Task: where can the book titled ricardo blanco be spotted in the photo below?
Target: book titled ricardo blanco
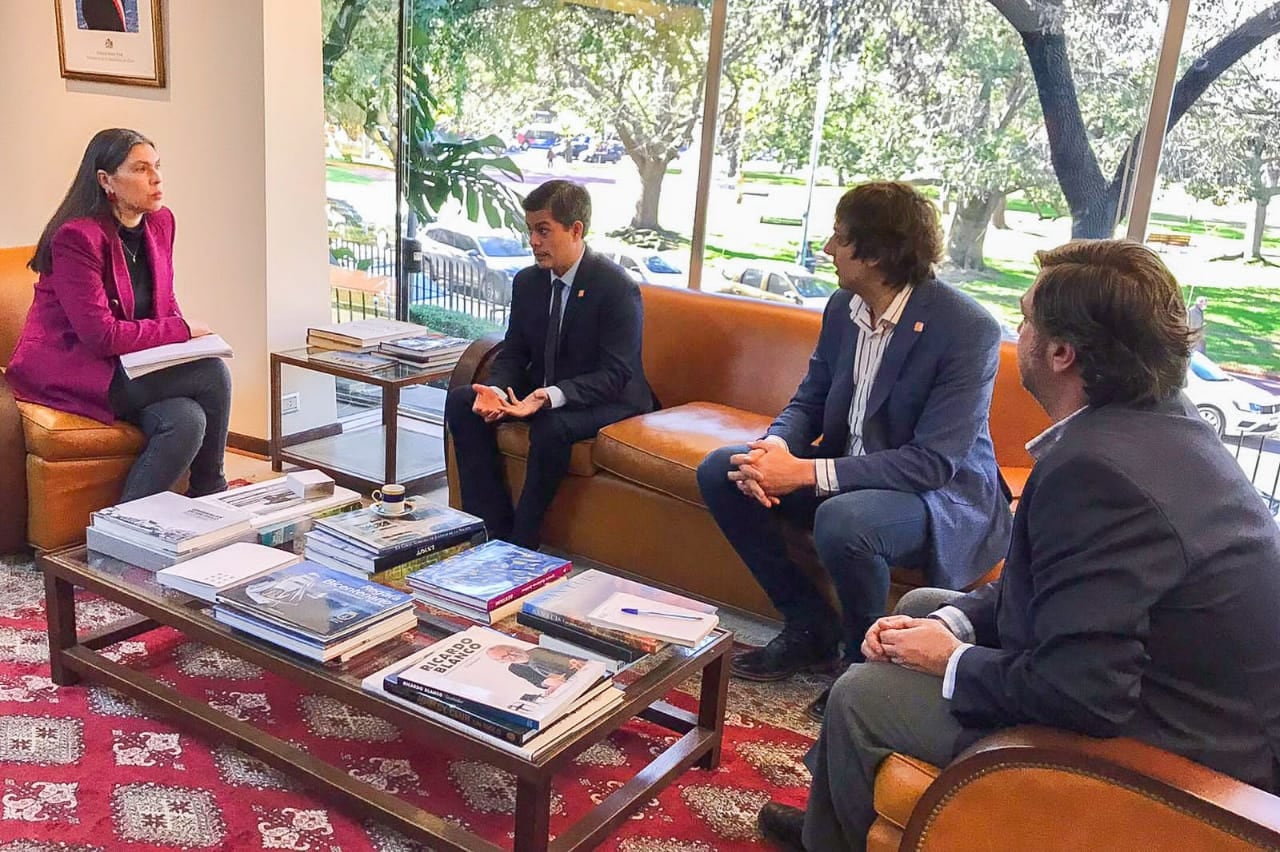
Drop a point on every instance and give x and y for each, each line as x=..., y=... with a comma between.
x=491, y=669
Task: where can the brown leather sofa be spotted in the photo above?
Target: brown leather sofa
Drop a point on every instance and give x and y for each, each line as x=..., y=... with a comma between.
x=56, y=467
x=721, y=367
x=1051, y=791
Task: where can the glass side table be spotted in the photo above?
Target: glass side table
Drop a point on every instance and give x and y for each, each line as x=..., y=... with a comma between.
x=368, y=455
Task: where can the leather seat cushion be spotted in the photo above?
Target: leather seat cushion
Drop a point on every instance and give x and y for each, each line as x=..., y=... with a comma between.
x=58, y=436
x=900, y=782
x=1017, y=479
x=662, y=449
x=513, y=440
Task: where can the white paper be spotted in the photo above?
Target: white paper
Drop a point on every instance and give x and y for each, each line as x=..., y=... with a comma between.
x=683, y=631
x=171, y=354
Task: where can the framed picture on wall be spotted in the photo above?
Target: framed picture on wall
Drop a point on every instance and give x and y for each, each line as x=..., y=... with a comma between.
x=111, y=41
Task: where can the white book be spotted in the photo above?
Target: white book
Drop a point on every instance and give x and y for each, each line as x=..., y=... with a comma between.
x=172, y=523
x=671, y=623
x=575, y=720
x=364, y=332
x=611, y=665
x=311, y=483
x=277, y=500
x=205, y=576
x=145, y=361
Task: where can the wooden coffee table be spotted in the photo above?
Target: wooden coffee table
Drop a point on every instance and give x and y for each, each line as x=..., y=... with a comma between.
x=73, y=658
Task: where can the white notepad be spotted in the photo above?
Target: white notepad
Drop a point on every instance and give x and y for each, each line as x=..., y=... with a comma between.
x=204, y=576
x=690, y=628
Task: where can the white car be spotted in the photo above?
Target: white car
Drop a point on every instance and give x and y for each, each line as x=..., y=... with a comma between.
x=498, y=254
x=646, y=266
x=1229, y=405
x=777, y=282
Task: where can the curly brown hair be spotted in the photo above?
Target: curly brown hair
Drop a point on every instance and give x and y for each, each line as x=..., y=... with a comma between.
x=1120, y=308
x=894, y=225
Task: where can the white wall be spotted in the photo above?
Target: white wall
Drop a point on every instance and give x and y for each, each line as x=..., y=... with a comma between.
x=240, y=131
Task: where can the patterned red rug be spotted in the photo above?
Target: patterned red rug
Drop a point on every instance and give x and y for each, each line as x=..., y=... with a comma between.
x=87, y=769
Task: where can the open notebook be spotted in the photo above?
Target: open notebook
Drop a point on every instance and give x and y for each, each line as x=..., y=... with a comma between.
x=171, y=354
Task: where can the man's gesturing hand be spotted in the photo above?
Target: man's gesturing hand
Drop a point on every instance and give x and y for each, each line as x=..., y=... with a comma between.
x=488, y=404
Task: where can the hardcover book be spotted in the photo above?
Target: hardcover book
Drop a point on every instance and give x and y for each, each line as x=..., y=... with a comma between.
x=277, y=500
x=364, y=332
x=383, y=536
x=570, y=602
x=427, y=347
x=204, y=576
x=522, y=682
x=173, y=523
x=318, y=603
x=364, y=362
x=490, y=575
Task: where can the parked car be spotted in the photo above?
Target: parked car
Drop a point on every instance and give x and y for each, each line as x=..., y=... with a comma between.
x=777, y=282
x=498, y=254
x=610, y=151
x=1229, y=405
x=540, y=137
x=646, y=266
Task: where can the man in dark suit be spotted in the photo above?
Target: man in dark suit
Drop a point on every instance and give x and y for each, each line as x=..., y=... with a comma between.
x=569, y=365
x=899, y=389
x=1129, y=605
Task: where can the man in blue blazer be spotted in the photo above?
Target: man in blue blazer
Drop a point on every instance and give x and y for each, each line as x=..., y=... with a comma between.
x=569, y=365
x=1129, y=606
x=899, y=389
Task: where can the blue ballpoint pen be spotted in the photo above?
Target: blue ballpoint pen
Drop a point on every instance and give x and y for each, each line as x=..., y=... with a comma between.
x=630, y=610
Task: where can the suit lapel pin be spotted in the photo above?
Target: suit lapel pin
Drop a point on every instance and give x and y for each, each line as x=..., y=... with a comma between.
x=919, y=327
x=581, y=293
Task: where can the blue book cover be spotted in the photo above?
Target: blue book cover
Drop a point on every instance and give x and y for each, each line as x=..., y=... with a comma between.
x=491, y=574
x=315, y=600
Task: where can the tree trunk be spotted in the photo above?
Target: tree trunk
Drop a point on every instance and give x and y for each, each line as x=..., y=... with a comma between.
x=338, y=39
x=997, y=216
x=1256, y=229
x=652, y=172
x=968, y=230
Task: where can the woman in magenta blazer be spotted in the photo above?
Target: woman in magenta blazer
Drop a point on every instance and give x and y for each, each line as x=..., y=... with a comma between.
x=106, y=288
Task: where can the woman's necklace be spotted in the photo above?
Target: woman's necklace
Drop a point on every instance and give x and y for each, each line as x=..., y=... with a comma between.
x=133, y=255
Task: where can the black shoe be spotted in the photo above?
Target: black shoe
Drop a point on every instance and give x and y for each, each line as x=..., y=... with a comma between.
x=782, y=825
x=795, y=649
x=818, y=708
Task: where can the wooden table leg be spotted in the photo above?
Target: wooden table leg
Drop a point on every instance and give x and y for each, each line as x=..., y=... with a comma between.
x=60, y=610
x=712, y=701
x=533, y=815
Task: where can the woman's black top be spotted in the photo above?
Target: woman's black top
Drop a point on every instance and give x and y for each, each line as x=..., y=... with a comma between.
x=135, y=257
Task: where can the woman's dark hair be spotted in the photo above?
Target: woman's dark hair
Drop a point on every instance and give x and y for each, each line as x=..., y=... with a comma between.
x=893, y=224
x=568, y=202
x=1120, y=308
x=106, y=151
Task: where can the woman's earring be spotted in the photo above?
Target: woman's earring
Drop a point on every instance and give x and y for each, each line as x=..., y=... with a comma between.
x=111, y=196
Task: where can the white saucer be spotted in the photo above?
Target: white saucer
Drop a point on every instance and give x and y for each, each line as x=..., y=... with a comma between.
x=408, y=508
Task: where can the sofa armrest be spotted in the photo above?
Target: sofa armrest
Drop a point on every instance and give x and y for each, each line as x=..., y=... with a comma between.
x=13, y=473
x=473, y=366
x=1022, y=782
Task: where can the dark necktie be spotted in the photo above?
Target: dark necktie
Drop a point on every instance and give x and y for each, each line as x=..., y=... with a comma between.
x=552, y=344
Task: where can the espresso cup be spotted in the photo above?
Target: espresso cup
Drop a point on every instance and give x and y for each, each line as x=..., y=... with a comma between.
x=390, y=499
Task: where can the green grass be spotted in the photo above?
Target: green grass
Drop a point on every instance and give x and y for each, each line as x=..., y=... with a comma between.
x=773, y=178
x=345, y=174
x=1209, y=227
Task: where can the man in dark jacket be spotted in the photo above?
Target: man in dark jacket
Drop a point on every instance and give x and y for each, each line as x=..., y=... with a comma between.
x=1129, y=606
x=569, y=365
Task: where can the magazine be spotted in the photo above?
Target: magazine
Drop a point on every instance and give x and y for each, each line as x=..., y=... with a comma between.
x=364, y=362
x=517, y=678
x=317, y=603
x=172, y=523
x=277, y=500
x=424, y=348
x=636, y=614
x=490, y=575
x=382, y=535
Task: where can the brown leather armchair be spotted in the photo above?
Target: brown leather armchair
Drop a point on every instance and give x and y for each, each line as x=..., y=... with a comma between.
x=56, y=467
x=1053, y=791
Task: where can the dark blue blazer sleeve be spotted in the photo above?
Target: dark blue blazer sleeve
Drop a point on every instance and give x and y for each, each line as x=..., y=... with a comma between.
x=1103, y=555
x=800, y=423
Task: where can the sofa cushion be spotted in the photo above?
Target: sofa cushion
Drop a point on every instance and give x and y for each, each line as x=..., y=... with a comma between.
x=662, y=449
x=513, y=440
x=900, y=782
x=58, y=436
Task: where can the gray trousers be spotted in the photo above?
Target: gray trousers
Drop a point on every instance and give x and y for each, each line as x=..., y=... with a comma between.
x=185, y=412
x=874, y=710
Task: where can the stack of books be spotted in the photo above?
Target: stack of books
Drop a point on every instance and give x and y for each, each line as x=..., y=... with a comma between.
x=367, y=544
x=426, y=350
x=487, y=583
x=586, y=611
x=164, y=529
x=281, y=509
x=315, y=611
x=205, y=576
x=362, y=335
x=500, y=688
x=361, y=362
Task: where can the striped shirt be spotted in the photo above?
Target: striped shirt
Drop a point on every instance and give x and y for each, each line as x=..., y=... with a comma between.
x=872, y=343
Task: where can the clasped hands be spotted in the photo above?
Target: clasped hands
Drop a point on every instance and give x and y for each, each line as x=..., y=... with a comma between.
x=768, y=471
x=493, y=407
x=921, y=644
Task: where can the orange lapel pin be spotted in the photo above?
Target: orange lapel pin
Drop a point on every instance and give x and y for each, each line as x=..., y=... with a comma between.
x=581, y=293
x=919, y=327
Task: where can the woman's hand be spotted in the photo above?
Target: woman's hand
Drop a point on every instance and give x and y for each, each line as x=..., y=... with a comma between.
x=198, y=328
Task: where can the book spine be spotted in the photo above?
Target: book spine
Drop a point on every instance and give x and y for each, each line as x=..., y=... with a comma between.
x=400, y=555
x=471, y=720
x=504, y=598
x=397, y=575
x=645, y=644
x=477, y=708
x=570, y=633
